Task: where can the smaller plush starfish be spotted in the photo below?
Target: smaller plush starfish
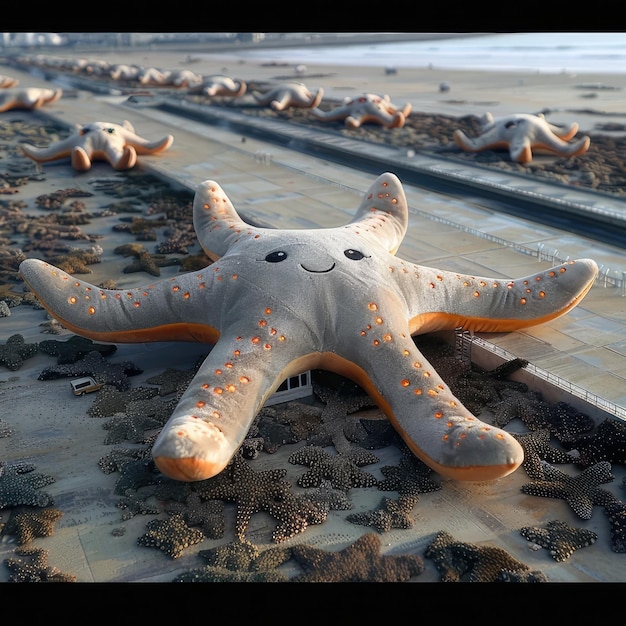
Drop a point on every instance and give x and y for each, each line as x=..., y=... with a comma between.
x=522, y=134
x=580, y=492
x=118, y=144
x=290, y=94
x=537, y=448
x=220, y=85
x=181, y=78
x=368, y=107
x=31, y=98
x=359, y=562
x=561, y=539
x=122, y=71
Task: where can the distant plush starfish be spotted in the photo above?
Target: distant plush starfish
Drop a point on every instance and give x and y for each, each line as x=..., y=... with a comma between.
x=522, y=134
x=581, y=492
x=278, y=302
x=367, y=108
x=118, y=144
x=220, y=85
x=31, y=98
x=561, y=539
x=290, y=94
x=359, y=562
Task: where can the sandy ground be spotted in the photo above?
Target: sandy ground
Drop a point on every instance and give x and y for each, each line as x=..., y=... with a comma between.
x=52, y=430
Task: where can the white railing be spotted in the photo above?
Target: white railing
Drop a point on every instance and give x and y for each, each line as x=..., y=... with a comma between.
x=553, y=379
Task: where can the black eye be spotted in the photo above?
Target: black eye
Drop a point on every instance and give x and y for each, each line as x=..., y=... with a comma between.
x=276, y=257
x=355, y=255
x=110, y=130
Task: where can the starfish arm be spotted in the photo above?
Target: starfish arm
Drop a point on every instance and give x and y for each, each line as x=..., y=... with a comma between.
x=80, y=159
x=315, y=100
x=338, y=113
x=143, y=146
x=121, y=157
x=564, y=132
x=281, y=101
x=383, y=214
x=243, y=86
x=520, y=148
x=168, y=310
x=57, y=150
x=441, y=300
x=553, y=144
x=486, y=141
x=216, y=220
x=268, y=96
x=216, y=411
x=432, y=421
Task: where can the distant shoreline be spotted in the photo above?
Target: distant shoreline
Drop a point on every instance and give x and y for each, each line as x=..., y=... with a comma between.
x=269, y=42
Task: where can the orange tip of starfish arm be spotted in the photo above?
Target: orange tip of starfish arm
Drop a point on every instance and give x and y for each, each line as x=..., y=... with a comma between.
x=190, y=469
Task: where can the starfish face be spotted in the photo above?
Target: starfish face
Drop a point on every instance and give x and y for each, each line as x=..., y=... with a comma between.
x=118, y=144
x=287, y=95
x=523, y=134
x=368, y=107
x=278, y=302
x=31, y=98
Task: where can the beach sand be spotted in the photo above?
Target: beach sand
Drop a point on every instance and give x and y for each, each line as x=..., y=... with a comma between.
x=52, y=430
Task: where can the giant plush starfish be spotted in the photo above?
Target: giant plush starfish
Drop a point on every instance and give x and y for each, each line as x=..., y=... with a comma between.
x=522, y=134
x=279, y=302
x=287, y=95
x=368, y=107
x=31, y=98
x=104, y=141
